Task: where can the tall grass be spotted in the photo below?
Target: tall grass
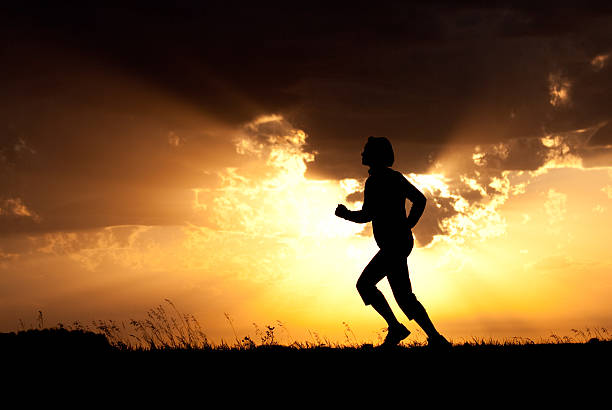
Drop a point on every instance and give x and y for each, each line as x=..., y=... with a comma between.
x=164, y=327
x=167, y=328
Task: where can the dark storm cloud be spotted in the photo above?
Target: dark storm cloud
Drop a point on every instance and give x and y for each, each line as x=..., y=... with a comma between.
x=478, y=179
x=85, y=145
x=424, y=72
x=485, y=79
x=88, y=89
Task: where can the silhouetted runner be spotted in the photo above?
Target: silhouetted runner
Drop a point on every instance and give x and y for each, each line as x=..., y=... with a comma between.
x=384, y=202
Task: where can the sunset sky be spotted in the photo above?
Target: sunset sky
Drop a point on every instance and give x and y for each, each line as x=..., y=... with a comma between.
x=197, y=153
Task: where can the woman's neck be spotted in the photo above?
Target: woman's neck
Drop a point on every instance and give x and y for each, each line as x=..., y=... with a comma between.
x=376, y=168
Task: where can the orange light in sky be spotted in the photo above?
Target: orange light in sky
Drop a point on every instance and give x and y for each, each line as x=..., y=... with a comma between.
x=520, y=260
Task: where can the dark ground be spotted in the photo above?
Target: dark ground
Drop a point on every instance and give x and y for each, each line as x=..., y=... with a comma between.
x=480, y=375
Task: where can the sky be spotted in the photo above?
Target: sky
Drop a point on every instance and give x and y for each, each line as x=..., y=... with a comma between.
x=196, y=152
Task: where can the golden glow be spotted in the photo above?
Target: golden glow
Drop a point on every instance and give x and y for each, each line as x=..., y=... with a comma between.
x=262, y=244
x=432, y=183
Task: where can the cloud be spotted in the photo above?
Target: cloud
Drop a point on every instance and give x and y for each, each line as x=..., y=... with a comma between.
x=126, y=246
x=175, y=140
x=126, y=154
x=13, y=149
x=559, y=89
x=555, y=206
x=537, y=154
x=265, y=203
x=269, y=195
x=383, y=70
x=104, y=144
x=6, y=258
x=460, y=209
x=164, y=144
x=600, y=61
x=14, y=207
x=467, y=186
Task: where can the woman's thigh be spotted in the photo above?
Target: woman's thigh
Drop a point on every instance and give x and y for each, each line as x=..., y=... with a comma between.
x=375, y=270
x=397, y=274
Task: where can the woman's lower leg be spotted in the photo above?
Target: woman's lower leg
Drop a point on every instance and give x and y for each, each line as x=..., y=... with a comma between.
x=422, y=318
x=380, y=304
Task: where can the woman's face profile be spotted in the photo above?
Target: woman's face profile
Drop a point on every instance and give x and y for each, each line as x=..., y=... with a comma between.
x=365, y=155
x=377, y=153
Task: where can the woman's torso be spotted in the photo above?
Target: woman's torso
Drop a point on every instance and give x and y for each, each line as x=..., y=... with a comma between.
x=385, y=200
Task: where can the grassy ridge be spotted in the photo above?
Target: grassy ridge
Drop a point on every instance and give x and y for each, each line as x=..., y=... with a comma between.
x=513, y=371
x=167, y=341
x=167, y=356
x=91, y=354
x=166, y=328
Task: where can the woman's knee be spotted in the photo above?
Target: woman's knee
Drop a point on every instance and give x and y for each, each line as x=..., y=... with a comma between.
x=410, y=305
x=364, y=285
x=367, y=290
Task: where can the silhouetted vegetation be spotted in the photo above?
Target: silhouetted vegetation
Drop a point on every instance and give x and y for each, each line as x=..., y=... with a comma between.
x=167, y=347
x=55, y=340
x=165, y=328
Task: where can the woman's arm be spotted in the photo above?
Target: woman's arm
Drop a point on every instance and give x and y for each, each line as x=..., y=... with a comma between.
x=418, y=204
x=360, y=216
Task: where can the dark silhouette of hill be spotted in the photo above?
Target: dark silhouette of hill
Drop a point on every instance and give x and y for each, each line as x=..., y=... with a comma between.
x=82, y=343
x=54, y=340
x=490, y=374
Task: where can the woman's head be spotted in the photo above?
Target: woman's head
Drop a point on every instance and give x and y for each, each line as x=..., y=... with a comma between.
x=377, y=152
